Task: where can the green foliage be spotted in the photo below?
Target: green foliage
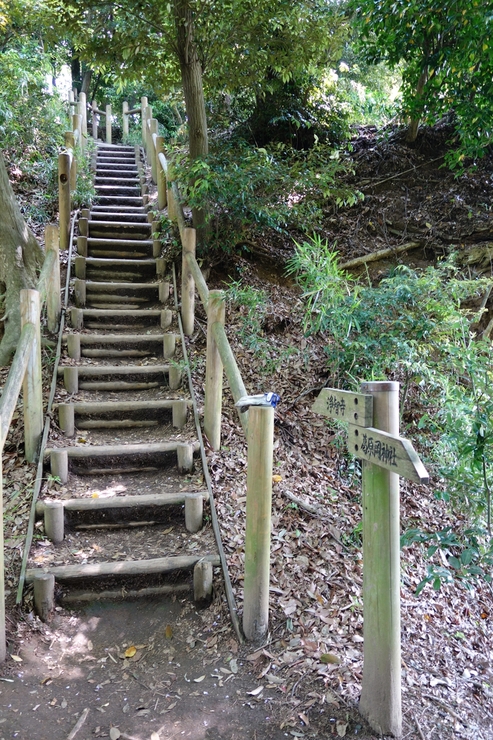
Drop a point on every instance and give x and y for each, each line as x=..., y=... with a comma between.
x=85, y=192
x=467, y=555
x=252, y=306
x=412, y=326
x=448, y=60
x=31, y=120
x=257, y=188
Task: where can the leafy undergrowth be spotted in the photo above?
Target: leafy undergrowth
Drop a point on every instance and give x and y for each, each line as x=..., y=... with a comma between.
x=313, y=654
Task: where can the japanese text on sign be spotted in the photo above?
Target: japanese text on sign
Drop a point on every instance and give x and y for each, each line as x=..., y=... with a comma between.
x=381, y=451
x=336, y=405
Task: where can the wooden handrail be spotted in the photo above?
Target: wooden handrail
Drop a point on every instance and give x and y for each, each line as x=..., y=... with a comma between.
x=15, y=378
x=197, y=275
x=231, y=369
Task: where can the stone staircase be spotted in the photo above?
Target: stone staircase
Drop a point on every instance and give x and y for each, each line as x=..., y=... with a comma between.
x=123, y=508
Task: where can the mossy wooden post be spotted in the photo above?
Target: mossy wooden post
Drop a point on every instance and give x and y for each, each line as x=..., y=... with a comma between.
x=148, y=143
x=32, y=388
x=258, y=522
x=70, y=145
x=125, y=118
x=187, y=282
x=161, y=174
x=213, y=371
x=53, y=296
x=3, y=645
x=83, y=113
x=64, y=199
x=94, y=107
x=380, y=700
x=143, y=107
x=108, y=124
x=153, y=129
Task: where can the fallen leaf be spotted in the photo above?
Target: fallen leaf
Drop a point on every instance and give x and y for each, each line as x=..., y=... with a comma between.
x=130, y=651
x=341, y=728
x=168, y=632
x=276, y=478
x=329, y=658
x=198, y=680
x=256, y=691
x=115, y=733
x=16, y=658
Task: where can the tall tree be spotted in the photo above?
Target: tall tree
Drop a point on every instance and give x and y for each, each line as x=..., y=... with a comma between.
x=448, y=59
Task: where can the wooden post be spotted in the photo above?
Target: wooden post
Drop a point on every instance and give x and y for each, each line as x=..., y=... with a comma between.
x=174, y=377
x=71, y=374
x=44, y=595
x=202, y=581
x=66, y=419
x=108, y=124
x=148, y=141
x=32, y=387
x=94, y=106
x=83, y=113
x=59, y=464
x=53, y=296
x=380, y=700
x=54, y=515
x=213, y=372
x=70, y=145
x=187, y=282
x=258, y=522
x=161, y=175
x=125, y=119
x=169, y=345
x=73, y=346
x=184, y=458
x=153, y=129
x=3, y=644
x=64, y=207
x=194, y=511
x=143, y=109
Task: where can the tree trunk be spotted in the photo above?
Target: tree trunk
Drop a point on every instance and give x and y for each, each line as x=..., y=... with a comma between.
x=86, y=81
x=20, y=256
x=193, y=92
x=412, y=131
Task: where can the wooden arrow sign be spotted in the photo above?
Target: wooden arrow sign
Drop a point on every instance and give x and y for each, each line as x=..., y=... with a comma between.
x=386, y=451
x=355, y=408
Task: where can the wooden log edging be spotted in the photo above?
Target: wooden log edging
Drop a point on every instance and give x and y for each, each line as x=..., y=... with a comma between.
x=230, y=597
x=123, y=568
x=40, y=469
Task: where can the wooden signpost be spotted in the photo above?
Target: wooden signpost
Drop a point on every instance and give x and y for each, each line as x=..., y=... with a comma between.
x=373, y=417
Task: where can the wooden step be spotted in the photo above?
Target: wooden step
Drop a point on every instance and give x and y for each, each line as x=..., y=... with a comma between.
x=80, y=317
x=119, y=200
x=102, y=346
x=122, y=377
x=122, y=414
x=123, y=568
x=130, y=230
x=126, y=166
x=118, y=190
x=125, y=270
x=110, y=459
x=92, y=292
x=118, y=181
x=119, y=216
x=124, y=502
